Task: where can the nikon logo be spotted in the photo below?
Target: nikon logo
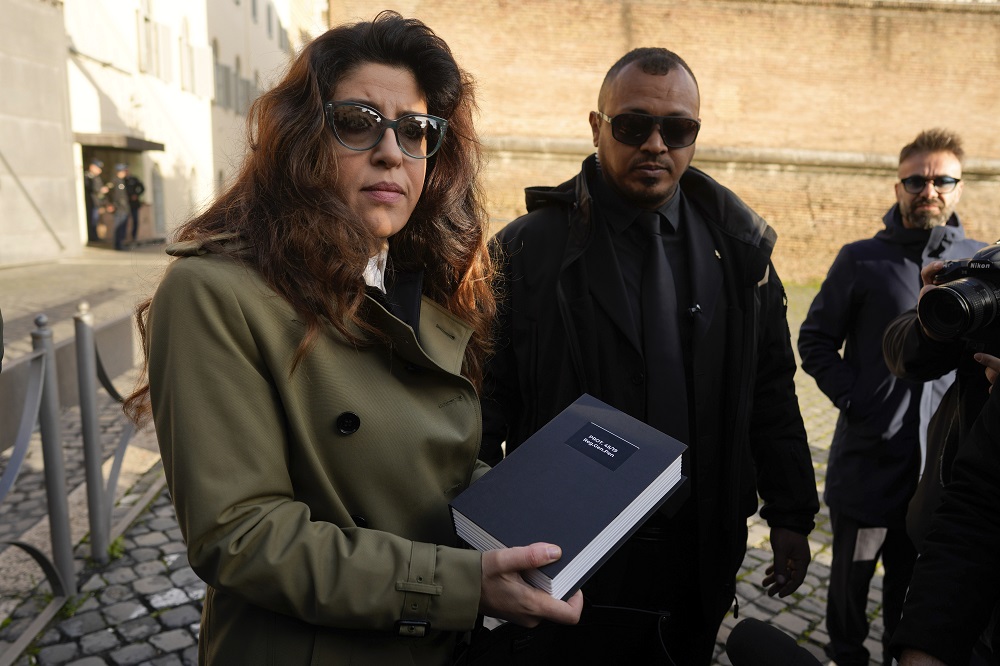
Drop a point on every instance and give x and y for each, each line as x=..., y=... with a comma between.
x=980, y=264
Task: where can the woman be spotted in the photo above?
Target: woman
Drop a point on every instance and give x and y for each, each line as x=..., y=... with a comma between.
x=313, y=429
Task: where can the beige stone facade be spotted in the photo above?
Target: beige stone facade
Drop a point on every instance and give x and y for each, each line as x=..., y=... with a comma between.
x=805, y=103
x=160, y=86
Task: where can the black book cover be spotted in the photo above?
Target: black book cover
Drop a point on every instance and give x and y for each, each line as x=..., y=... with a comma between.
x=586, y=481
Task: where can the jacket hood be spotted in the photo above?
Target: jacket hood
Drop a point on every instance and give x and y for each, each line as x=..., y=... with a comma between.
x=941, y=242
x=541, y=196
x=893, y=221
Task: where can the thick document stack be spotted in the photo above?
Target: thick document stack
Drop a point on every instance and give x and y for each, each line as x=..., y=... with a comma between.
x=586, y=481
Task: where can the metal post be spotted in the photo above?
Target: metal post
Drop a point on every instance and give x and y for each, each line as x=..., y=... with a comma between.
x=55, y=474
x=86, y=371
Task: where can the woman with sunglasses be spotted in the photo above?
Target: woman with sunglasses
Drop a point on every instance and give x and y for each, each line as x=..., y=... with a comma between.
x=313, y=362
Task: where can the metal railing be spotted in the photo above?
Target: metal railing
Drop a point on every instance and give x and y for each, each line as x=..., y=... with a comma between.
x=30, y=390
x=100, y=493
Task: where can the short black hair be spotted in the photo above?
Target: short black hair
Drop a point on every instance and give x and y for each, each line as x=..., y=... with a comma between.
x=652, y=60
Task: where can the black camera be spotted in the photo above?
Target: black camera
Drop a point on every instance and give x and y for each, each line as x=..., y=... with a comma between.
x=966, y=303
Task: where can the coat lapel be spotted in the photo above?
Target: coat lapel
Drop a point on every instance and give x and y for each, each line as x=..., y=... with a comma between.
x=607, y=285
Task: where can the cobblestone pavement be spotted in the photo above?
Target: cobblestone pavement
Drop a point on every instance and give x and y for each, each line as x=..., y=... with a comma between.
x=143, y=607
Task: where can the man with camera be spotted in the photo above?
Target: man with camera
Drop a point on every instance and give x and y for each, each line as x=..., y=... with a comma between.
x=875, y=455
x=956, y=582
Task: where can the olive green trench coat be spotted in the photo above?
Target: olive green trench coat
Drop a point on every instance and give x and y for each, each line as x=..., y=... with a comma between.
x=314, y=503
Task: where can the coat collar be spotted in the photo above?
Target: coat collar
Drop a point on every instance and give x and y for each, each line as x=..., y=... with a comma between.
x=939, y=241
x=725, y=213
x=592, y=241
x=443, y=336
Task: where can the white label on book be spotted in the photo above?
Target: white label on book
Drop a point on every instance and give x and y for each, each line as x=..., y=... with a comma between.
x=602, y=445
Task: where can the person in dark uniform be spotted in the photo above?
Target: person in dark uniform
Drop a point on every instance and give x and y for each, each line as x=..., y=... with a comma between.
x=648, y=285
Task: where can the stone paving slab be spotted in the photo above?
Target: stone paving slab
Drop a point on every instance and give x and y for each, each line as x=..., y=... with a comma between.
x=143, y=607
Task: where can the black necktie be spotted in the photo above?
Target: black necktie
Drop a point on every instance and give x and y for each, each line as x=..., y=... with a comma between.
x=666, y=383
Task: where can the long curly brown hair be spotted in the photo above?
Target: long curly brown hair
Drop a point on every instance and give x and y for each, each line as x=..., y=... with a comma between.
x=306, y=243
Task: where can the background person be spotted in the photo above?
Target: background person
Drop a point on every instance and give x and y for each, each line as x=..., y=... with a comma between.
x=94, y=191
x=134, y=189
x=875, y=455
x=314, y=427
x=118, y=196
x=956, y=584
x=911, y=353
x=648, y=285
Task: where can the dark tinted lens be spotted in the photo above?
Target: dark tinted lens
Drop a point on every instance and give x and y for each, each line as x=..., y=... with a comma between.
x=418, y=136
x=631, y=128
x=945, y=183
x=357, y=127
x=915, y=184
x=678, y=132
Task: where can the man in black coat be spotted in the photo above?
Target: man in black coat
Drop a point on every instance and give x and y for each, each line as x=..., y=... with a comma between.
x=125, y=192
x=912, y=351
x=955, y=589
x=648, y=285
x=875, y=456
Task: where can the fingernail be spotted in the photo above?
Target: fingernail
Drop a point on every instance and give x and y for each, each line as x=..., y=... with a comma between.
x=553, y=552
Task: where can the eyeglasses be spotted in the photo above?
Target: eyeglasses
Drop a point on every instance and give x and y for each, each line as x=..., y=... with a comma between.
x=633, y=129
x=360, y=127
x=943, y=184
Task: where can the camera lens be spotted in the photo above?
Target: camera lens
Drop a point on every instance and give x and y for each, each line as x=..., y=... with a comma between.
x=958, y=308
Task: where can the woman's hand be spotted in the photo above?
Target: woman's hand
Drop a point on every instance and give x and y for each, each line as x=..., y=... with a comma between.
x=507, y=596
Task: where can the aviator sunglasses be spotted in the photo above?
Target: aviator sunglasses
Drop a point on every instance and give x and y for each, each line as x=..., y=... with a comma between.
x=942, y=184
x=360, y=127
x=633, y=129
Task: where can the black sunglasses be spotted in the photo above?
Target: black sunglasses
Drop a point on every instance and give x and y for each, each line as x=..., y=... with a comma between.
x=360, y=127
x=633, y=129
x=916, y=184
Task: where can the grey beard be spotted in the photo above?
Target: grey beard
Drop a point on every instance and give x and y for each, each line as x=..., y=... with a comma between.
x=926, y=220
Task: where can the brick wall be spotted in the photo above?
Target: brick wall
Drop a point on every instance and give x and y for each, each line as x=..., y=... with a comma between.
x=805, y=104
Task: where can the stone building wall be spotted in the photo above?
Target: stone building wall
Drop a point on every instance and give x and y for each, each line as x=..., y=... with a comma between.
x=805, y=103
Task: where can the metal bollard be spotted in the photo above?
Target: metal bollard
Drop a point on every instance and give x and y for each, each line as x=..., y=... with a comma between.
x=55, y=473
x=86, y=371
